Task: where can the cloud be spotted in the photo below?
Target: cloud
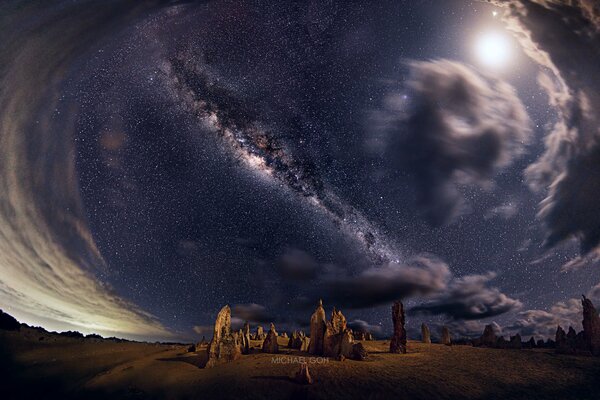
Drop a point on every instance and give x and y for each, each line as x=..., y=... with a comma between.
x=358, y=325
x=544, y=323
x=470, y=298
x=504, y=211
x=252, y=313
x=452, y=127
x=375, y=286
x=203, y=329
x=297, y=265
x=469, y=329
x=49, y=262
x=563, y=36
x=424, y=275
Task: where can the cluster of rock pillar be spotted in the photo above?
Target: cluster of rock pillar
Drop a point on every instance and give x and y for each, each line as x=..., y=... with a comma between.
x=333, y=338
x=585, y=342
x=328, y=338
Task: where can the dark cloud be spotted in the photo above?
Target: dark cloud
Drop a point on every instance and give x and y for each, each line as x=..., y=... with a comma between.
x=297, y=265
x=470, y=298
x=563, y=36
x=203, y=329
x=358, y=325
x=468, y=329
x=452, y=127
x=252, y=313
x=375, y=286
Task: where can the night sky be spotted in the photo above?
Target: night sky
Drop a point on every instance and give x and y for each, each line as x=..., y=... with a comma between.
x=162, y=160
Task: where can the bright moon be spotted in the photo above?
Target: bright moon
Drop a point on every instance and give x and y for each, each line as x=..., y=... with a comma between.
x=493, y=49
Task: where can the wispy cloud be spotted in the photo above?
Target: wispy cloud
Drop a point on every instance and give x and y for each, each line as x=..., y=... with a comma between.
x=49, y=264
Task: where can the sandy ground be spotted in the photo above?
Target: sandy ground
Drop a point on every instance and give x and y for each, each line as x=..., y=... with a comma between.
x=76, y=368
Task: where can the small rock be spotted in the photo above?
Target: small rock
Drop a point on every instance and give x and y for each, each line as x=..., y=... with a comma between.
x=303, y=375
x=359, y=352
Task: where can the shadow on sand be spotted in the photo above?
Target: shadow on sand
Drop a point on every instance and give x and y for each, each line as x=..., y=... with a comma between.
x=273, y=378
x=197, y=360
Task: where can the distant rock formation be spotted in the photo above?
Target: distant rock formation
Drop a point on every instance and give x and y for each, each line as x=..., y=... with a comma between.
x=398, y=342
x=8, y=322
x=571, y=336
x=270, y=344
x=562, y=345
x=245, y=338
x=362, y=335
x=515, y=342
x=203, y=342
x=72, y=334
x=488, y=339
x=446, y=336
x=295, y=340
x=425, y=334
x=305, y=344
x=580, y=343
x=531, y=343
x=223, y=347
x=591, y=327
x=303, y=375
x=260, y=334
x=317, y=330
x=501, y=343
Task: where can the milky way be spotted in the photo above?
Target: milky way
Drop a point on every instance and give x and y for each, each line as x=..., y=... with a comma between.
x=227, y=116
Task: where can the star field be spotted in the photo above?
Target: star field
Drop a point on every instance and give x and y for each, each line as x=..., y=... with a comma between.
x=273, y=154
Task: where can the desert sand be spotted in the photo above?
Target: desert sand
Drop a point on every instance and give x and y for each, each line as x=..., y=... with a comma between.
x=59, y=367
